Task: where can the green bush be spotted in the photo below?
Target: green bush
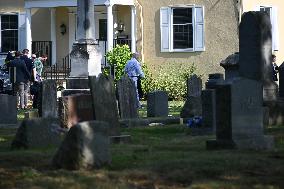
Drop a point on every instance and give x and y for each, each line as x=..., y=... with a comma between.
x=170, y=77
x=117, y=58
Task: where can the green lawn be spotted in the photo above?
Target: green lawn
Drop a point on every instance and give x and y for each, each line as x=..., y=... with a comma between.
x=159, y=157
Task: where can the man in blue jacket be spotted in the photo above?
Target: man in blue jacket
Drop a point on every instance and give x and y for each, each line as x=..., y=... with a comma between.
x=134, y=71
x=22, y=79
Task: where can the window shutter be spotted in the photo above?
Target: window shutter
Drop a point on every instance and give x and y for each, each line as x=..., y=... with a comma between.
x=275, y=32
x=22, y=31
x=165, y=28
x=199, y=28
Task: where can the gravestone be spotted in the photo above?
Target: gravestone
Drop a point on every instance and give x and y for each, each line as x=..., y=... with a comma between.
x=247, y=115
x=127, y=99
x=193, y=106
x=85, y=146
x=194, y=86
x=48, y=99
x=8, y=107
x=231, y=66
x=208, y=99
x=104, y=101
x=281, y=81
x=256, y=51
x=74, y=109
x=37, y=133
x=239, y=116
x=213, y=80
x=157, y=104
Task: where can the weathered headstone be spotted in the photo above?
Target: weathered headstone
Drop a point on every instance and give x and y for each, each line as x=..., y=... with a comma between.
x=8, y=107
x=239, y=116
x=48, y=99
x=247, y=115
x=231, y=66
x=194, y=86
x=192, y=106
x=208, y=97
x=255, y=46
x=74, y=109
x=38, y=132
x=157, y=104
x=85, y=146
x=256, y=51
x=127, y=99
x=104, y=101
x=213, y=80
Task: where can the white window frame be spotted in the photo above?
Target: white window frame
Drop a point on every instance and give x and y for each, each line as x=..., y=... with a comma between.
x=169, y=28
x=172, y=29
x=274, y=22
x=1, y=14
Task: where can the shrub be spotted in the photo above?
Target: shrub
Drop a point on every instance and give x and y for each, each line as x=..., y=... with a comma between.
x=170, y=77
x=117, y=58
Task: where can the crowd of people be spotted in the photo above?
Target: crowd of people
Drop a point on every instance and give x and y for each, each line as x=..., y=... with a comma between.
x=25, y=73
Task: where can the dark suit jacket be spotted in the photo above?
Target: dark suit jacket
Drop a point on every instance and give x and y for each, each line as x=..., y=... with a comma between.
x=22, y=73
x=29, y=63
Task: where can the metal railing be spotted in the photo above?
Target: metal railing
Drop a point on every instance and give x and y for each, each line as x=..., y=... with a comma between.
x=62, y=71
x=43, y=47
x=58, y=71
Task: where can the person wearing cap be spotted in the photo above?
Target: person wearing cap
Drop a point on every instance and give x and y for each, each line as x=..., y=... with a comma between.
x=134, y=71
x=22, y=79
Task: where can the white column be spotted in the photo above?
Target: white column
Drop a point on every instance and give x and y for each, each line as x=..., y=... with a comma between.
x=28, y=30
x=53, y=34
x=133, y=29
x=109, y=27
x=72, y=29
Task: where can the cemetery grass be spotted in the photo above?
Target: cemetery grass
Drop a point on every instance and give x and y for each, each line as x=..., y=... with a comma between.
x=166, y=157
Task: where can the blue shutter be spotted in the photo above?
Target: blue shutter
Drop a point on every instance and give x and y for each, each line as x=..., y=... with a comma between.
x=165, y=28
x=199, y=28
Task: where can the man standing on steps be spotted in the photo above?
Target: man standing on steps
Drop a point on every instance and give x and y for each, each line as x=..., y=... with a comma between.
x=134, y=71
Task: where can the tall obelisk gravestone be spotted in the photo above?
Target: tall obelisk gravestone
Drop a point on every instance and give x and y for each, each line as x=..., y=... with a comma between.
x=85, y=55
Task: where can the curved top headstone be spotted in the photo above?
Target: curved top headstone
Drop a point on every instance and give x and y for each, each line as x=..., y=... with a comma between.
x=255, y=46
x=232, y=61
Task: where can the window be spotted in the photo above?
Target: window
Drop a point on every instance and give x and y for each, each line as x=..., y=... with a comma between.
x=272, y=12
x=182, y=29
x=9, y=33
x=103, y=29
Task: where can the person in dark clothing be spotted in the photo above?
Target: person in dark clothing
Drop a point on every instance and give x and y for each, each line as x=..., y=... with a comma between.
x=29, y=63
x=275, y=68
x=8, y=59
x=22, y=79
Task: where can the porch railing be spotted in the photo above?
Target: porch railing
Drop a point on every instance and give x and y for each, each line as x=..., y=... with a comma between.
x=61, y=71
x=43, y=47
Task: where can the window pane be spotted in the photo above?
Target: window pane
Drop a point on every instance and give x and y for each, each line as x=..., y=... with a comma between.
x=9, y=32
x=9, y=22
x=182, y=15
x=183, y=36
x=103, y=29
